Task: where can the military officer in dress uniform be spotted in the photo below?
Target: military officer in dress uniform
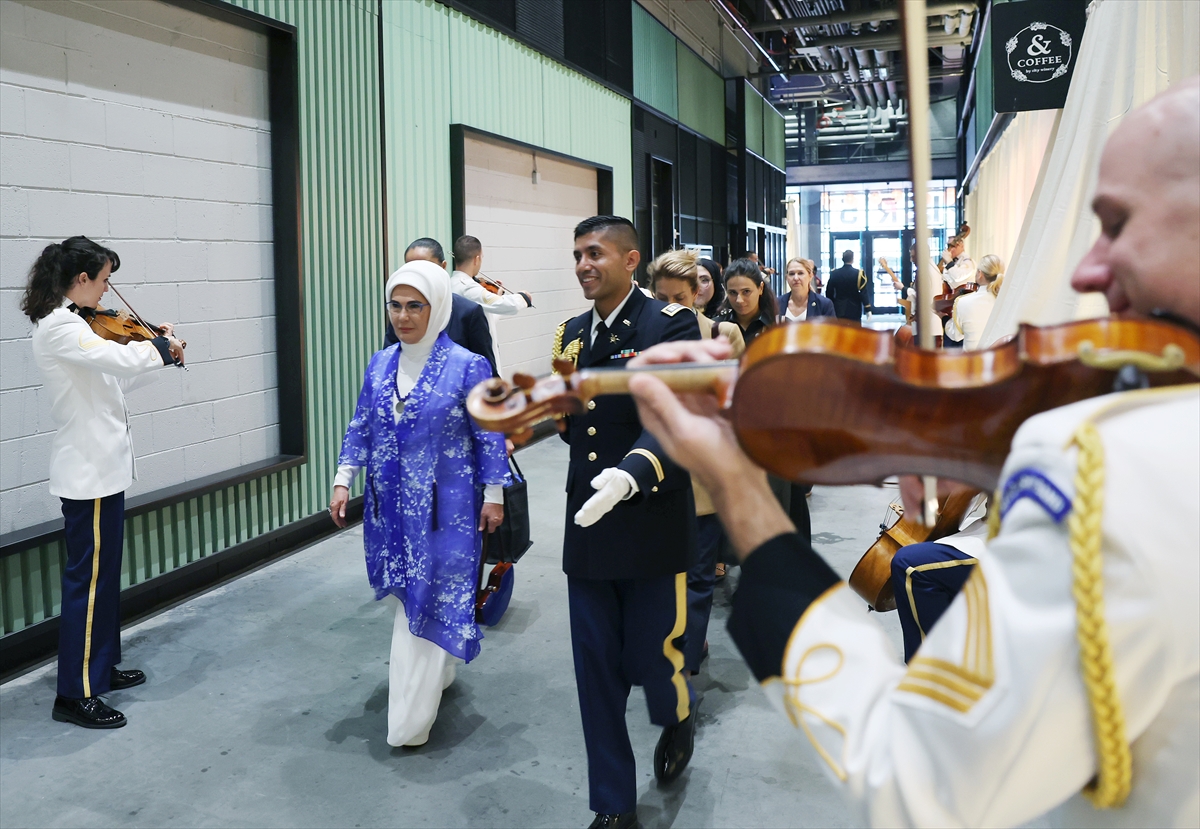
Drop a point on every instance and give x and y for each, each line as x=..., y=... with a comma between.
x=1068, y=668
x=91, y=464
x=630, y=532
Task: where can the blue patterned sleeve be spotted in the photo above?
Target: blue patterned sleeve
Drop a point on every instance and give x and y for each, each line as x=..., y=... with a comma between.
x=491, y=458
x=356, y=445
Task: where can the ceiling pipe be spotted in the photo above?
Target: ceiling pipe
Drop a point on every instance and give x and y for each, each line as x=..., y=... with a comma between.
x=869, y=16
x=964, y=23
x=889, y=41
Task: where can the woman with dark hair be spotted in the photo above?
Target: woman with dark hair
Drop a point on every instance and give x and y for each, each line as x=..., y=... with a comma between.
x=749, y=300
x=91, y=464
x=711, y=294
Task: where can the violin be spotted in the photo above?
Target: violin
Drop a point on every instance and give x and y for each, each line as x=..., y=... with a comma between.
x=121, y=326
x=492, y=286
x=495, y=286
x=829, y=402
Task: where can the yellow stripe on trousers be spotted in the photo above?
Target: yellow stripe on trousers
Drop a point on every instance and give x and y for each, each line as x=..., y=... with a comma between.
x=682, y=707
x=87, y=631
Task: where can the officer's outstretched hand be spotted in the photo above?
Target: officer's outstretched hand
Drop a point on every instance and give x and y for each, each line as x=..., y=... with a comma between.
x=612, y=487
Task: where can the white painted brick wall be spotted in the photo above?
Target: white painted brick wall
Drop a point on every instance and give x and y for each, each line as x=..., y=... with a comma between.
x=145, y=127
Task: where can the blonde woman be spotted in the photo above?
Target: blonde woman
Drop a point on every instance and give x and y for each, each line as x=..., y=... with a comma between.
x=971, y=311
x=673, y=278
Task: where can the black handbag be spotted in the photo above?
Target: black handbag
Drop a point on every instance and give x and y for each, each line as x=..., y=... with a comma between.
x=511, y=539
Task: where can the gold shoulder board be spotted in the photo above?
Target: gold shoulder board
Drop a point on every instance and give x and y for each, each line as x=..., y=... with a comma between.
x=673, y=309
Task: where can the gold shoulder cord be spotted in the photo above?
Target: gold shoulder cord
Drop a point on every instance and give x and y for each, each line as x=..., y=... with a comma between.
x=556, y=349
x=1114, y=773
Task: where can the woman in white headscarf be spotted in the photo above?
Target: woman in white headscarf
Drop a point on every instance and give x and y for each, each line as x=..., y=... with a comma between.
x=434, y=481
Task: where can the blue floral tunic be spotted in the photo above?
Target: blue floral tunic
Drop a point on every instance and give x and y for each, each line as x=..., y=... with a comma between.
x=424, y=490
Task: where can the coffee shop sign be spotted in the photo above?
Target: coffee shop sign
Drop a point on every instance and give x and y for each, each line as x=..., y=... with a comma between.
x=1036, y=55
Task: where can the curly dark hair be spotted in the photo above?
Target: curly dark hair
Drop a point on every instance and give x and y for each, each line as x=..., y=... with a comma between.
x=56, y=268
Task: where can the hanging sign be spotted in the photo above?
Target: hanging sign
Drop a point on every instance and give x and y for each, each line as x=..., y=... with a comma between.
x=1035, y=44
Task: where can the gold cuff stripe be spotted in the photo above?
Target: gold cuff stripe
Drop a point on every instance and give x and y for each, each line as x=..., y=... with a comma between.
x=91, y=607
x=673, y=654
x=655, y=462
x=935, y=694
x=958, y=686
x=933, y=565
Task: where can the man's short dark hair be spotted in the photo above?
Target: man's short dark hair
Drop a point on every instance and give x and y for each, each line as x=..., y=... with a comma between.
x=466, y=248
x=848, y=256
x=428, y=244
x=621, y=229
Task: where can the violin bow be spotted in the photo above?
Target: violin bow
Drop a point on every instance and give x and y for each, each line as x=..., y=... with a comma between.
x=142, y=322
x=914, y=18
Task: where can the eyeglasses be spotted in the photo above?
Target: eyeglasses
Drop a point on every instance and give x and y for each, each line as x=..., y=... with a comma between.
x=413, y=308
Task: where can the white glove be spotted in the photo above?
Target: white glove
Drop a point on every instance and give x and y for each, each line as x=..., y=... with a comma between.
x=613, y=486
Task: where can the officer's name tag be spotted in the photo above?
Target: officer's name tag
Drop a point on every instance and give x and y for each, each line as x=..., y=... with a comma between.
x=1032, y=484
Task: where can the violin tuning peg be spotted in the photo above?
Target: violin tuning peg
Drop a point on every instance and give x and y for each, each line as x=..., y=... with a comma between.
x=524, y=381
x=564, y=367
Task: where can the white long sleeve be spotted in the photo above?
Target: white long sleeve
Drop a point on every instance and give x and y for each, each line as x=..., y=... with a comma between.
x=501, y=305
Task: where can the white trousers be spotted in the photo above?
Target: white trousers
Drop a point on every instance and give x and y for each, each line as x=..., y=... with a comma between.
x=418, y=673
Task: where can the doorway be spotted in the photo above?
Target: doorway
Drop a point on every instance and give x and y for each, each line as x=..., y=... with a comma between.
x=662, y=206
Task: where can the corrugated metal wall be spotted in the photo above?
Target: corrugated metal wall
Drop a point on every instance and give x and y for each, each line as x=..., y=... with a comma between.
x=442, y=68
x=701, y=95
x=754, y=119
x=343, y=267
x=773, y=146
x=655, y=79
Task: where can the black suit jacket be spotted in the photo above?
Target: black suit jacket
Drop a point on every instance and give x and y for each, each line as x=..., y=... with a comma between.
x=848, y=298
x=654, y=532
x=468, y=327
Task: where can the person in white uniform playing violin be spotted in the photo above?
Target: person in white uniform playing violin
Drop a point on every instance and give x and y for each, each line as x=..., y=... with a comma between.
x=91, y=464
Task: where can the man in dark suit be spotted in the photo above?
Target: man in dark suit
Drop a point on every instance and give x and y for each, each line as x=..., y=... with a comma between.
x=849, y=290
x=468, y=324
x=630, y=532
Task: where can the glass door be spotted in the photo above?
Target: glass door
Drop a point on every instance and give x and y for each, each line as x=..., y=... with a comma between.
x=883, y=244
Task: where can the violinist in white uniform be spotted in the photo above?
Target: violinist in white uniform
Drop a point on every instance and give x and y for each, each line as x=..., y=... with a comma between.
x=468, y=262
x=91, y=464
x=971, y=311
x=1065, y=677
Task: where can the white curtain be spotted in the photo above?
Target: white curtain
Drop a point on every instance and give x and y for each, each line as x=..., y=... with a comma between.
x=997, y=204
x=793, y=228
x=1131, y=51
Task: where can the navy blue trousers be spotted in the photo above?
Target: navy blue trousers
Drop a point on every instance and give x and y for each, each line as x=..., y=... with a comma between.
x=89, y=631
x=926, y=578
x=623, y=633
x=701, y=580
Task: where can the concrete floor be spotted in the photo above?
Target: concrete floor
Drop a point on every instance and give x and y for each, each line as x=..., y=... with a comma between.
x=266, y=705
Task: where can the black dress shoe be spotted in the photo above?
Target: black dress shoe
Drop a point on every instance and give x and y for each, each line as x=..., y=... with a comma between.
x=625, y=820
x=90, y=713
x=119, y=680
x=674, y=748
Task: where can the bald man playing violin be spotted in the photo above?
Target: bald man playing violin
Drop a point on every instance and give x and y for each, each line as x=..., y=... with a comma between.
x=1068, y=668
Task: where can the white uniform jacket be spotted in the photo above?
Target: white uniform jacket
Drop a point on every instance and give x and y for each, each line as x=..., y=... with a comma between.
x=959, y=272
x=971, y=312
x=991, y=723
x=92, y=452
x=500, y=305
